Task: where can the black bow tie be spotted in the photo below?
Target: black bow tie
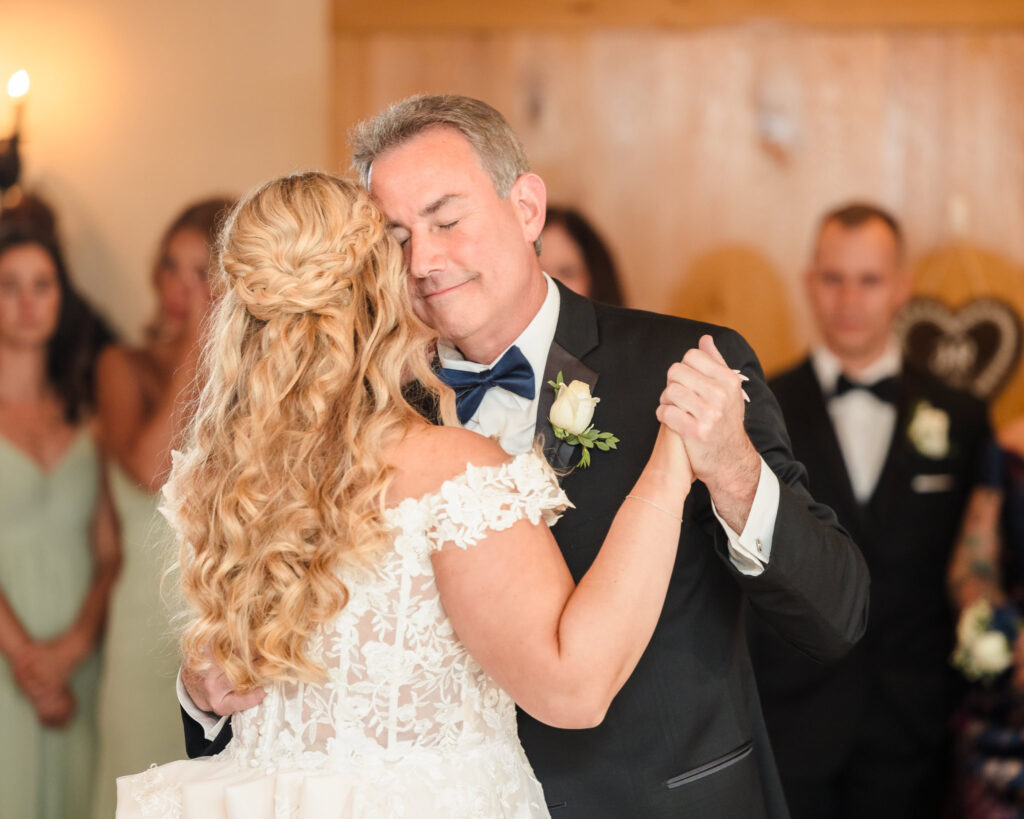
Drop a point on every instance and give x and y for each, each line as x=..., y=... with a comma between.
x=512, y=372
x=885, y=389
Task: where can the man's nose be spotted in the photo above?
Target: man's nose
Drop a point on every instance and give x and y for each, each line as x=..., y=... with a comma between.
x=849, y=295
x=425, y=255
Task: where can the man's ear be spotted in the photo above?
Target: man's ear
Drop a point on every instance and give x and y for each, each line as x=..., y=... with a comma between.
x=808, y=279
x=529, y=198
x=903, y=287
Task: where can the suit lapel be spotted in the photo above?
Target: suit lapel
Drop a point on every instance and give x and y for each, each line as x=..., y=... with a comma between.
x=575, y=336
x=823, y=435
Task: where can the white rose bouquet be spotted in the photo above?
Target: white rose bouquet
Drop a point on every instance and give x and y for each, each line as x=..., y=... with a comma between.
x=985, y=638
x=570, y=418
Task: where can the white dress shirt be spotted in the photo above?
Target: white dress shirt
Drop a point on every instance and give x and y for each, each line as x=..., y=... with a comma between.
x=863, y=422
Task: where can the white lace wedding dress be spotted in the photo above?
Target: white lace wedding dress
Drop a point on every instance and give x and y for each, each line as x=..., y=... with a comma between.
x=407, y=725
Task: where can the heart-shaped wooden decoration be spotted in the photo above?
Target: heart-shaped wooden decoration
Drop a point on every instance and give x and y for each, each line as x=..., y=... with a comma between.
x=974, y=347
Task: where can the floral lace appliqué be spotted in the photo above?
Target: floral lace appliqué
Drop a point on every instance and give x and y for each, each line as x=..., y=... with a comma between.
x=406, y=718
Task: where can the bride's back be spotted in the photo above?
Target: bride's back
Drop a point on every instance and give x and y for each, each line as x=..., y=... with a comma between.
x=405, y=721
x=398, y=679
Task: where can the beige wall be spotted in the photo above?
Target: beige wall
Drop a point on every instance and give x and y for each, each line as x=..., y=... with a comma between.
x=137, y=108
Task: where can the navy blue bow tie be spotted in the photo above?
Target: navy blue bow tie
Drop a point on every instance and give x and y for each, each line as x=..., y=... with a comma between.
x=512, y=372
x=884, y=389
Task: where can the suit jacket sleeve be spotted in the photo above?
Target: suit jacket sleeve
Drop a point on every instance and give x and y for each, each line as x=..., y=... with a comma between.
x=814, y=590
x=196, y=743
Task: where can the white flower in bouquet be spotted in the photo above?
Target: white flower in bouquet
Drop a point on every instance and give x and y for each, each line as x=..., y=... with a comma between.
x=992, y=653
x=974, y=621
x=982, y=651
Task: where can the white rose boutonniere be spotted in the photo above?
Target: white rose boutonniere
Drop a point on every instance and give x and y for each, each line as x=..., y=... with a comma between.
x=984, y=644
x=570, y=418
x=929, y=430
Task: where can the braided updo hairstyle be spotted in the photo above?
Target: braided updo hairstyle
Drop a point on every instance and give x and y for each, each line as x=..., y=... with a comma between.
x=310, y=344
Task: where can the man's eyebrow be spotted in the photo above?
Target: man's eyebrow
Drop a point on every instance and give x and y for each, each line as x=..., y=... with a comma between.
x=437, y=204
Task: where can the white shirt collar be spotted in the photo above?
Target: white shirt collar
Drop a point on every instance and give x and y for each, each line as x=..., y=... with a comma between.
x=827, y=366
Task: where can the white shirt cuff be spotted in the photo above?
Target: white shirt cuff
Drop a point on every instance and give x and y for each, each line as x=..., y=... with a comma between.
x=749, y=551
x=210, y=722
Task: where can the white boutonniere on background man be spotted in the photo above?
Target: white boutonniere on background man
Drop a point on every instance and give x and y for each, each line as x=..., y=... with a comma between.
x=928, y=430
x=985, y=637
x=570, y=418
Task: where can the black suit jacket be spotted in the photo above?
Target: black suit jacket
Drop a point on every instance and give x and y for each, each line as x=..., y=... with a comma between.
x=685, y=736
x=906, y=531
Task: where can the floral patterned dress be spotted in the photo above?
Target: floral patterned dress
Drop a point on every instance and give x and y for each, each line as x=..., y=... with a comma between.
x=407, y=724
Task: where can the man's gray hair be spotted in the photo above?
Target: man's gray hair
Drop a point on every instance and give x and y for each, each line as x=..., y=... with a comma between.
x=497, y=147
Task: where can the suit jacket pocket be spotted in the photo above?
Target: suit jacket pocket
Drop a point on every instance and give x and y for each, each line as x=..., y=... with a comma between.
x=925, y=482
x=714, y=766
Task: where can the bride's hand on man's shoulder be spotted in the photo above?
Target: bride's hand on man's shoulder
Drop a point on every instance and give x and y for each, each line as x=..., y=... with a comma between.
x=212, y=691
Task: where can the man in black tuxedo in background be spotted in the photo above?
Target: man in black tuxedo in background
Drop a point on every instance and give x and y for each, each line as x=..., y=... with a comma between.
x=892, y=450
x=685, y=735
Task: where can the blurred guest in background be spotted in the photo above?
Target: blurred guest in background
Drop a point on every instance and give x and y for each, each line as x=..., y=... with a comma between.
x=143, y=395
x=988, y=565
x=58, y=543
x=893, y=451
x=573, y=253
x=31, y=212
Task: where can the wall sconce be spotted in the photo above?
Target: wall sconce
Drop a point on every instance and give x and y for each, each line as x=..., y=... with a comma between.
x=10, y=161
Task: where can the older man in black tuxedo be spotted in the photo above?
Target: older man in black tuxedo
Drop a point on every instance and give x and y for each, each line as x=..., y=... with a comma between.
x=685, y=736
x=892, y=450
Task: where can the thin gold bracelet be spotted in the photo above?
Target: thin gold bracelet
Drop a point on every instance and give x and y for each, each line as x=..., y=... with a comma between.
x=657, y=506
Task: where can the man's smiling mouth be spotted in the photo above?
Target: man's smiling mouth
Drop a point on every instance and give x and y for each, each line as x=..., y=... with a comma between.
x=443, y=291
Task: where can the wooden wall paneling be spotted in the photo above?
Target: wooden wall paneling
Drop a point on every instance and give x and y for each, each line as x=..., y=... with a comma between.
x=469, y=15
x=351, y=100
x=706, y=156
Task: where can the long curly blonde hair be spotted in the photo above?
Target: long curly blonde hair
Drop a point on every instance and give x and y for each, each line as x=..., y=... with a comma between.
x=311, y=354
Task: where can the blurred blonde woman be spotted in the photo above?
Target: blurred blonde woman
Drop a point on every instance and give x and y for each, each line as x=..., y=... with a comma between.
x=142, y=394
x=392, y=584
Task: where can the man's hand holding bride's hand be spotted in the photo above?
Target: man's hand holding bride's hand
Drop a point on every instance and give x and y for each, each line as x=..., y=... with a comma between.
x=704, y=404
x=212, y=691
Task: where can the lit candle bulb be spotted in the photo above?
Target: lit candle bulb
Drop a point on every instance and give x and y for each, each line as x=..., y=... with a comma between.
x=17, y=88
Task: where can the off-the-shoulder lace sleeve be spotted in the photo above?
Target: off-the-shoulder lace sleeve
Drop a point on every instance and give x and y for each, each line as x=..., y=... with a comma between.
x=494, y=498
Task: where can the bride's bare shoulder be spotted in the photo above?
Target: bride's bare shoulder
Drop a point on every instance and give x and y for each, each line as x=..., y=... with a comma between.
x=429, y=456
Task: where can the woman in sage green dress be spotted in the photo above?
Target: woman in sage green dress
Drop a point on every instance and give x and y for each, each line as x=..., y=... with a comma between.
x=58, y=546
x=142, y=392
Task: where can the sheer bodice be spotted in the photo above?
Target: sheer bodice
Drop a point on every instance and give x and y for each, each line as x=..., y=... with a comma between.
x=408, y=719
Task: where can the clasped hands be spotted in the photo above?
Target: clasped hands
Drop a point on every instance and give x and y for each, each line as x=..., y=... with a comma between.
x=42, y=670
x=703, y=403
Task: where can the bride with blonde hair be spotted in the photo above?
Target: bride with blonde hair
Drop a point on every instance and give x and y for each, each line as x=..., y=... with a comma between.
x=392, y=584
